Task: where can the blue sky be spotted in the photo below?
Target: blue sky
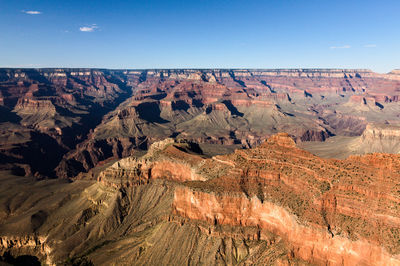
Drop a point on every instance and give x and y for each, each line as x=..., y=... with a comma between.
x=201, y=34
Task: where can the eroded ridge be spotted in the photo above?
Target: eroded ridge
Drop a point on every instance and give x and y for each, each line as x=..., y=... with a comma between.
x=274, y=204
x=329, y=211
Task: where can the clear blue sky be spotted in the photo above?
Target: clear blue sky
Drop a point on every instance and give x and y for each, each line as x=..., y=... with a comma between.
x=201, y=34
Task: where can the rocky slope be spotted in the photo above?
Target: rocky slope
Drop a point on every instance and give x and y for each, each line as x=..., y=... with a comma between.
x=274, y=204
x=384, y=138
x=46, y=112
x=379, y=138
x=81, y=117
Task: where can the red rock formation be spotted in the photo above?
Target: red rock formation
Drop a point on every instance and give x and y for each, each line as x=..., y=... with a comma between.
x=310, y=244
x=274, y=204
x=333, y=212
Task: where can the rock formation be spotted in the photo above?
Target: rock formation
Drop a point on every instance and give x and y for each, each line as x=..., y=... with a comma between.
x=377, y=137
x=82, y=117
x=274, y=204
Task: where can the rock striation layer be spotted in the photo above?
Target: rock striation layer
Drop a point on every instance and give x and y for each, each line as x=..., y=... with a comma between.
x=376, y=137
x=273, y=204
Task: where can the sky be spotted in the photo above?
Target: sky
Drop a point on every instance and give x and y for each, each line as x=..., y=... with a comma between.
x=201, y=34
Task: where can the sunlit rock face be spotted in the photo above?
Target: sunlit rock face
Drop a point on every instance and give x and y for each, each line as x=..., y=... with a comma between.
x=379, y=138
x=273, y=204
x=326, y=210
x=308, y=243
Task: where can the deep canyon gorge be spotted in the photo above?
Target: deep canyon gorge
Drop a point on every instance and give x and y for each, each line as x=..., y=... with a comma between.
x=200, y=166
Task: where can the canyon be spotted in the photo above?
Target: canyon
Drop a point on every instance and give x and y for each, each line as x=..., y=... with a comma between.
x=74, y=119
x=200, y=166
x=273, y=204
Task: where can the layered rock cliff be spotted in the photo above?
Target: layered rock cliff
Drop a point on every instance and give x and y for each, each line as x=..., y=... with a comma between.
x=274, y=204
x=377, y=137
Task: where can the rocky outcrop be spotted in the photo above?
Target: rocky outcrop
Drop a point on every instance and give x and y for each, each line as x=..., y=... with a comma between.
x=281, y=139
x=269, y=188
x=376, y=131
x=310, y=244
x=274, y=204
x=336, y=202
x=379, y=138
x=130, y=171
x=28, y=244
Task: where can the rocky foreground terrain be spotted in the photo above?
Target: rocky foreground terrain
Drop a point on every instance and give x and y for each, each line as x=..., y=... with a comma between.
x=61, y=122
x=172, y=167
x=273, y=204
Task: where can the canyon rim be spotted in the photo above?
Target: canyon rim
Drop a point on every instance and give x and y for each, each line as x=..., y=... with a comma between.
x=199, y=132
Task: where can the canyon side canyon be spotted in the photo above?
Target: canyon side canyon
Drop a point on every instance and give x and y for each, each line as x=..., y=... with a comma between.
x=200, y=166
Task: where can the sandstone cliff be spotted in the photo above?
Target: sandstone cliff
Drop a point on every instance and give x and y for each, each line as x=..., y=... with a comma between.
x=376, y=137
x=274, y=204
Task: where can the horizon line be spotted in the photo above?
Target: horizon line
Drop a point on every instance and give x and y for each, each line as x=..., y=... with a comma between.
x=198, y=69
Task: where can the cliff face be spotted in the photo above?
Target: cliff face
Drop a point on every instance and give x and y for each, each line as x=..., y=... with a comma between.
x=381, y=132
x=275, y=204
x=307, y=243
x=91, y=115
x=376, y=137
x=379, y=138
x=172, y=165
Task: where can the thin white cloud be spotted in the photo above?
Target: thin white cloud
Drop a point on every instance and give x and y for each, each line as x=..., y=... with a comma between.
x=91, y=28
x=31, y=12
x=341, y=47
x=370, y=45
